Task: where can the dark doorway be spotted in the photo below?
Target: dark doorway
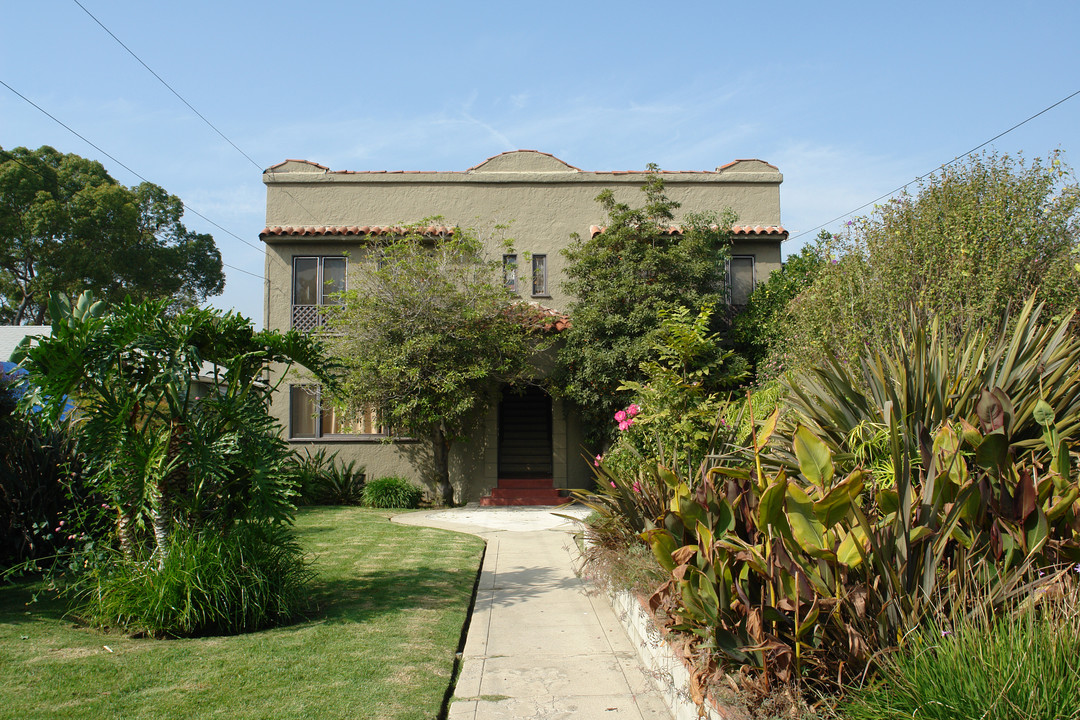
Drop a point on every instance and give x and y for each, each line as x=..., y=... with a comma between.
x=525, y=434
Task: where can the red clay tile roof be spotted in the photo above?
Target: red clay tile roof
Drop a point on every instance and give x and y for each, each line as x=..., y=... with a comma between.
x=534, y=316
x=345, y=230
x=735, y=230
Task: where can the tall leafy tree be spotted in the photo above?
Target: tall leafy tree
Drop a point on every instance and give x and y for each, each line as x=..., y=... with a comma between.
x=426, y=332
x=625, y=278
x=972, y=239
x=67, y=226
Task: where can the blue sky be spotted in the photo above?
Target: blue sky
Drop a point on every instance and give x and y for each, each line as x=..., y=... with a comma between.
x=849, y=100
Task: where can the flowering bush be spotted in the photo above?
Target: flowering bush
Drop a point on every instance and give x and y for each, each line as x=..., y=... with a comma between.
x=672, y=422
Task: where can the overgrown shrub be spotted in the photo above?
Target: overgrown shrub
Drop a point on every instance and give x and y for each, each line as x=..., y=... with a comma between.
x=975, y=236
x=793, y=559
x=392, y=492
x=253, y=577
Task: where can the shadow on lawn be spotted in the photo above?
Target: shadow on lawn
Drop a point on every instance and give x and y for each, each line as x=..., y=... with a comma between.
x=365, y=598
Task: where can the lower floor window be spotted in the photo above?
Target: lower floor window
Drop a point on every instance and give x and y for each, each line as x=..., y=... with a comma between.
x=309, y=417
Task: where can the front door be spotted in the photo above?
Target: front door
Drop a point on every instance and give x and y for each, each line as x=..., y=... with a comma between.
x=525, y=434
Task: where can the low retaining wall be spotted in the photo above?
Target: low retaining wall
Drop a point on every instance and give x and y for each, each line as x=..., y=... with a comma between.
x=668, y=671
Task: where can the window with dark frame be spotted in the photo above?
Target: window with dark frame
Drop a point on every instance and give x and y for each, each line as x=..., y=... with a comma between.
x=510, y=272
x=309, y=419
x=315, y=282
x=539, y=275
x=740, y=279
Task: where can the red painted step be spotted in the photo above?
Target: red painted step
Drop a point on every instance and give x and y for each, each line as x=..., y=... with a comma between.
x=523, y=483
x=505, y=501
x=525, y=491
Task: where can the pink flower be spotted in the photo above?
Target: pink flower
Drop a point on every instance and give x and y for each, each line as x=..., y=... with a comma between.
x=624, y=424
x=633, y=410
x=637, y=487
x=620, y=416
x=629, y=422
x=612, y=483
x=596, y=462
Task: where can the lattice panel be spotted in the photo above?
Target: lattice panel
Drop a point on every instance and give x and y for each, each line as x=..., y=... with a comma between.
x=306, y=318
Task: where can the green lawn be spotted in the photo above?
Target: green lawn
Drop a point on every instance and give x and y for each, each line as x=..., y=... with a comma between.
x=391, y=602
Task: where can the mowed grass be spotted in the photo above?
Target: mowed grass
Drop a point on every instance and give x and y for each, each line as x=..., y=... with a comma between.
x=389, y=605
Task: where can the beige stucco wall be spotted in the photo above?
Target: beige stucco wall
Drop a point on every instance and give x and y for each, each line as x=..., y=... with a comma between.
x=544, y=200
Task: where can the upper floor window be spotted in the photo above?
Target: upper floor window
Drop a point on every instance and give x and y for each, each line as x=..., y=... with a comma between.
x=316, y=280
x=539, y=275
x=510, y=272
x=740, y=279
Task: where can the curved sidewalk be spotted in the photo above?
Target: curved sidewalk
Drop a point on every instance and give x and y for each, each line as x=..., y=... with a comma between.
x=539, y=645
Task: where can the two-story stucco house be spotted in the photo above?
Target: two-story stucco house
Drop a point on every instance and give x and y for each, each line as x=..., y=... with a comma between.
x=317, y=219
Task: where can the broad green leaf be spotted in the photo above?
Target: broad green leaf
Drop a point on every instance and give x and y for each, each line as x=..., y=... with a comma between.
x=767, y=429
x=992, y=451
x=815, y=460
x=1062, y=464
x=807, y=622
x=723, y=517
x=805, y=528
x=1064, y=503
x=771, y=504
x=663, y=544
x=849, y=551
x=1043, y=413
x=919, y=533
x=832, y=508
x=669, y=478
x=1036, y=531
x=889, y=500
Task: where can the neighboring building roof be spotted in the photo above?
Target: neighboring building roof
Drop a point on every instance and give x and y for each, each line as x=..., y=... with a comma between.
x=12, y=335
x=735, y=230
x=347, y=230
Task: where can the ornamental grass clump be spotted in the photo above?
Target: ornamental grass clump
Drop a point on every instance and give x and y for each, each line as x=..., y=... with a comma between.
x=990, y=668
x=392, y=492
x=254, y=577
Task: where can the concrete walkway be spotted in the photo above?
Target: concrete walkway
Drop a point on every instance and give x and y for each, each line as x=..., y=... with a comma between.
x=539, y=645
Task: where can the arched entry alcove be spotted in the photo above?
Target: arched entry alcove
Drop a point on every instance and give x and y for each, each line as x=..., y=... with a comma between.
x=525, y=434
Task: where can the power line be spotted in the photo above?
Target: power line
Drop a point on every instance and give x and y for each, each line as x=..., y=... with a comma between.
x=91, y=144
x=923, y=176
x=189, y=105
x=167, y=85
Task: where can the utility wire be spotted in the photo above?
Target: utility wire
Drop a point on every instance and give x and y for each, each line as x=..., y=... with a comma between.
x=167, y=85
x=190, y=106
x=93, y=145
x=925, y=175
